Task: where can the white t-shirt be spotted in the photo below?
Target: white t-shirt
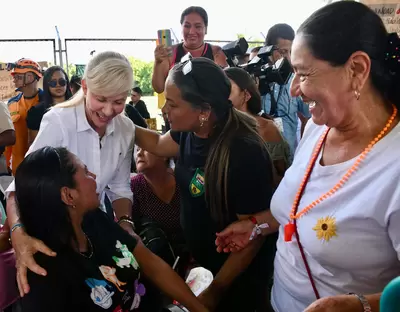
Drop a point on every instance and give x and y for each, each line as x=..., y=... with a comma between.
x=364, y=255
x=5, y=124
x=111, y=163
x=5, y=118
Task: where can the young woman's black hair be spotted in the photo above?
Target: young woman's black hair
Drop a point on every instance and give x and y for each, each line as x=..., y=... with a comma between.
x=195, y=9
x=245, y=82
x=38, y=182
x=75, y=83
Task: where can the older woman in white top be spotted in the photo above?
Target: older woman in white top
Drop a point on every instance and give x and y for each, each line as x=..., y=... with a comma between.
x=91, y=125
x=338, y=205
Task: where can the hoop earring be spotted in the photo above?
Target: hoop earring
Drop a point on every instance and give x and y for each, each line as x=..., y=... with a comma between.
x=357, y=94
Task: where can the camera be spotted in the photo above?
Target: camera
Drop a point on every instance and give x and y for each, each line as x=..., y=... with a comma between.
x=260, y=67
x=234, y=49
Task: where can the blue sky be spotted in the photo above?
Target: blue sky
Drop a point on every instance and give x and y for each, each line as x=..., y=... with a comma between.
x=133, y=19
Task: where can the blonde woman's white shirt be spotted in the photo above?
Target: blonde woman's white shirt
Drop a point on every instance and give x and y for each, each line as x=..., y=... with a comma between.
x=364, y=254
x=109, y=159
x=5, y=124
x=5, y=118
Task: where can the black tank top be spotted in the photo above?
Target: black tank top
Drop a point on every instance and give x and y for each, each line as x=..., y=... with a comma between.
x=180, y=52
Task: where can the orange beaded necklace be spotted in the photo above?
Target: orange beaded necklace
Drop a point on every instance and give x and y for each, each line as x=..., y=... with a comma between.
x=290, y=228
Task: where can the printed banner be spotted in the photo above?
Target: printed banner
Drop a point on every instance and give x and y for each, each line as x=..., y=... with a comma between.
x=389, y=11
x=7, y=88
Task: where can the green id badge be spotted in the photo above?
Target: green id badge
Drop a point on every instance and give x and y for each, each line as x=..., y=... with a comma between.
x=196, y=187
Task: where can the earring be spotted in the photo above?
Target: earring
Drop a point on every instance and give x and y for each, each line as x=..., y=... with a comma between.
x=357, y=94
x=202, y=120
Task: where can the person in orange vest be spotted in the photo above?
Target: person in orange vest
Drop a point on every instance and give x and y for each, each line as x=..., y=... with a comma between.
x=26, y=74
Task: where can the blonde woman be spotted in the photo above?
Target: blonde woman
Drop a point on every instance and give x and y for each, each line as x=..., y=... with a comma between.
x=92, y=127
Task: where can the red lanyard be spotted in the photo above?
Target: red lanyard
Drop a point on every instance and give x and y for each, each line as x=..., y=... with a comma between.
x=303, y=255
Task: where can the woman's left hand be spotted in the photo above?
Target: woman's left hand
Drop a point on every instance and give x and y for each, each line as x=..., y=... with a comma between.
x=209, y=298
x=342, y=303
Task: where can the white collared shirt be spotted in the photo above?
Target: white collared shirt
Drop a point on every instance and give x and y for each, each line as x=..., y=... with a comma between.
x=5, y=118
x=111, y=163
x=5, y=124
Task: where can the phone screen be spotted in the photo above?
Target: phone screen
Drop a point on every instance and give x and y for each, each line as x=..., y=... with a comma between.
x=164, y=37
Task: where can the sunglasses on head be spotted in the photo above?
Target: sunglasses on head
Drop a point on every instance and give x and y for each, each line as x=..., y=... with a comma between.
x=61, y=82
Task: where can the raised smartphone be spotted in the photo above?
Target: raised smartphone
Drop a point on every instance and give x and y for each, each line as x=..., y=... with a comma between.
x=164, y=37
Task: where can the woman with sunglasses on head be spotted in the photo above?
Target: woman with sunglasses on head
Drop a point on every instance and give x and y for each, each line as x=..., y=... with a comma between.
x=56, y=89
x=224, y=173
x=91, y=125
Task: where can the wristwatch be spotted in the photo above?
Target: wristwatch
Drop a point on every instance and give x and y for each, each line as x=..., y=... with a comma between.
x=364, y=302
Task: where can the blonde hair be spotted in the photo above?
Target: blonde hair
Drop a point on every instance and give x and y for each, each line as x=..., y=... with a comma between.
x=107, y=74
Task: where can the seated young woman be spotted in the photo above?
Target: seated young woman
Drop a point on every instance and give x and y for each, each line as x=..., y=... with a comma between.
x=98, y=265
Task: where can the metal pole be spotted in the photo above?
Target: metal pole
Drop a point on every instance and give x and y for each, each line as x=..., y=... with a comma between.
x=60, y=52
x=54, y=52
x=35, y=40
x=59, y=47
x=144, y=39
x=66, y=57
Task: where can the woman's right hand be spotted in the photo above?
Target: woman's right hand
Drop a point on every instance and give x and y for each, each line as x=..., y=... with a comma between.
x=25, y=247
x=235, y=237
x=161, y=53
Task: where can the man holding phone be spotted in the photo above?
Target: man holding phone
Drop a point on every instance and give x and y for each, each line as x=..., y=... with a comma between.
x=194, y=21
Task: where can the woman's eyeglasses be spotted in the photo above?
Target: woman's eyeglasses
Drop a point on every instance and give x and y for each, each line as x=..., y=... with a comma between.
x=61, y=82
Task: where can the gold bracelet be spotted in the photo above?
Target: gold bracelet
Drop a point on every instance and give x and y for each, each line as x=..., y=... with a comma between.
x=127, y=221
x=363, y=301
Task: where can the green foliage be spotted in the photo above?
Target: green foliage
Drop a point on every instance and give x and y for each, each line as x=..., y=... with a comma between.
x=258, y=42
x=71, y=69
x=142, y=73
